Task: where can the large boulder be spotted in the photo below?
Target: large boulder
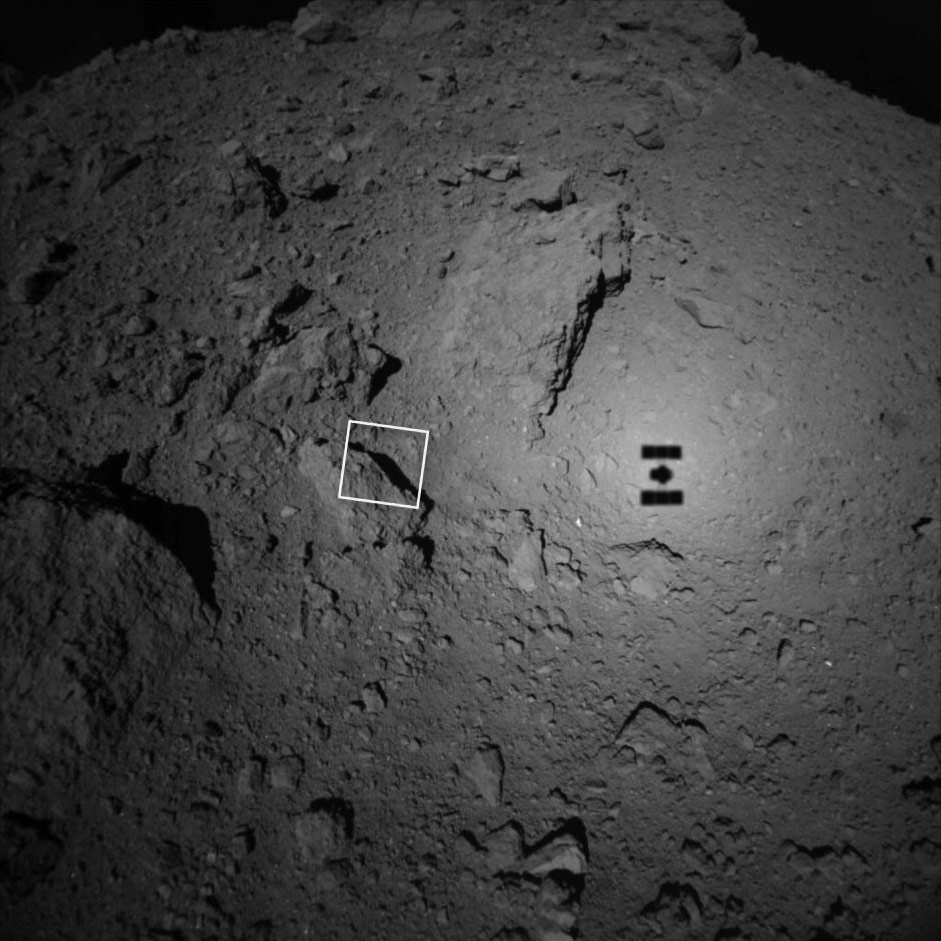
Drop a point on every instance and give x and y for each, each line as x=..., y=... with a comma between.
x=514, y=319
x=94, y=613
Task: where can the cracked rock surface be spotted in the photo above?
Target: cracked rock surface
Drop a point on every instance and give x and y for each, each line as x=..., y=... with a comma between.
x=329, y=604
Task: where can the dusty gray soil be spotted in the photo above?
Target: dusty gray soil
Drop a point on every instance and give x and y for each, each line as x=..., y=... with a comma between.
x=243, y=698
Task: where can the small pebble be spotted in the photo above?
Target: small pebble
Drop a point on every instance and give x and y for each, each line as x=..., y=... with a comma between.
x=137, y=326
x=338, y=154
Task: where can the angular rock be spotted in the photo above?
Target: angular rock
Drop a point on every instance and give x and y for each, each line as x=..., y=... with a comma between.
x=101, y=168
x=684, y=103
x=553, y=273
x=370, y=476
x=649, y=732
x=318, y=603
x=549, y=191
x=563, y=853
x=706, y=313
x=633, y=19
x=315, y=26
x=118, y=168
x=497, y=167
x=138, y=325
x=599, y=70
x=31, y=287
x=315, y=185
x=291, y=299
x=44, y=265
x=365, y=523
x=374, y=697
x=651, y=737
x=284, y=774
x=367, y=185
x=486, y=772
x=176, y=381
x=322, y=362
x=714, y=28
x=30, y=848
x=516, y=933
x=443, y=79
x=324, y=833
x=505, y=848
x=649, y=567
x=338, y=154
x=410, y=18
x=319, y=462
x=474, y=47
x=527, y=565
x=644, y=127
x=95, y=613
x=243, y=182
x=250, y=778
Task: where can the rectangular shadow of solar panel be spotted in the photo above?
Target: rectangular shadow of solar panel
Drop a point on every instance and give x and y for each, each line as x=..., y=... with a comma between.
x=661, y=452
x=661, y=497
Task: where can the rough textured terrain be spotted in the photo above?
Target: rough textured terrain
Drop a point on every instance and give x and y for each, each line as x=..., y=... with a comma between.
x=245, y=699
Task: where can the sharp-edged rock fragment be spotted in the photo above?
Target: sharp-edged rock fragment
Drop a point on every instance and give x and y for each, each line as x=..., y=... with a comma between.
x=176, y=380
x=101, y=168
x=374, y=697
x=243, y=182
x=598, y=70
x=497, y=167
x=486, y=772
x=39, y=272
x=651, y=738
x=118, y=168
x=373, y=476
x=715, y=29
x=443, y=79
x=549, y=191
x=284, y=774
x=31, y=287
x=291, y=298
x=95, y=613
x=505, y=848
x=315, y=185
x=527, y=565
x=138, y=325
x=319, y=362
x=644, y=127
x=684, y=103
x=411, y=18
x=314, y=25
x=706, y=313
x=562, y=853
x=324, y=833
x=554, y=272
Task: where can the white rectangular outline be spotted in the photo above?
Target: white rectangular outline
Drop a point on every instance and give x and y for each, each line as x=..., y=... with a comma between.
x=407, y=506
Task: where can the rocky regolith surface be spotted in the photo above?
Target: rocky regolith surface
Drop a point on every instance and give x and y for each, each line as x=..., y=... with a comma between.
x=268, y=675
